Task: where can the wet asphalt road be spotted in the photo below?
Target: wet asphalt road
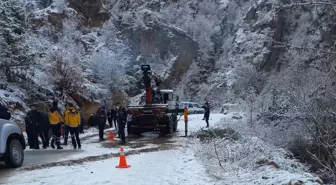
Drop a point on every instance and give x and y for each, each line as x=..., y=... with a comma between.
x=34, y=157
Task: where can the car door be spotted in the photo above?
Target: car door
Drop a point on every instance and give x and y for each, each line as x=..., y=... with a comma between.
x=191, y=107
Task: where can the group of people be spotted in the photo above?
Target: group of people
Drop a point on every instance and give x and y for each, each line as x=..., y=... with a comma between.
x=38, y=124
x=116, y=117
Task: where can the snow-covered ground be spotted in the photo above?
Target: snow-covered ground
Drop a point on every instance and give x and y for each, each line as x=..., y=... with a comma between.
x=153, y=160
x=166, y=167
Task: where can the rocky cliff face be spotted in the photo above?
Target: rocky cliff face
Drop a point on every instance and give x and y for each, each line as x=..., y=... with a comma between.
x=203, y=49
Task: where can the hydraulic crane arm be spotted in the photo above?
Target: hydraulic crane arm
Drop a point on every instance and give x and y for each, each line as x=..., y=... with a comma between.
x=147, y=73
x=146, y=69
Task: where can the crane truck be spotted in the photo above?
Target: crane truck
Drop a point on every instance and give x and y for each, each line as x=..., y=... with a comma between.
x=159, y=110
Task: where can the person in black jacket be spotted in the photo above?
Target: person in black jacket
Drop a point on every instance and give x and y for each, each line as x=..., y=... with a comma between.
x=122, y=120
x=44, y=130
x=35, y=119
x=29, y=131
x=4, y=113
x=101, y=120
x=206, y=113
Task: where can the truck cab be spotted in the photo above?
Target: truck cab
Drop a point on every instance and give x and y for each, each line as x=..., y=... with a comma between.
x=169, y=98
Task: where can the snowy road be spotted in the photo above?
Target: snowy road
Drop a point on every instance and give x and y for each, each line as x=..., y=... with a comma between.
x=154, y=160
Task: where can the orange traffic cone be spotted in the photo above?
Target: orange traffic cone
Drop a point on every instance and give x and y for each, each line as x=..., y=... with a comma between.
x=122, y=160
x=111, y=138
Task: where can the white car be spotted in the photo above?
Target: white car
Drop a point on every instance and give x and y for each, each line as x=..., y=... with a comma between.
x=12, y=143
x=193, y=108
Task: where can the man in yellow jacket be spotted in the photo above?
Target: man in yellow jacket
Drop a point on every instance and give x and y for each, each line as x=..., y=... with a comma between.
x=72, y=120
x=55, y=119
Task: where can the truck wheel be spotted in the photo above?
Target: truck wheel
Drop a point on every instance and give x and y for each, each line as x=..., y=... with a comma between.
x=129, y=129
x=14, y=154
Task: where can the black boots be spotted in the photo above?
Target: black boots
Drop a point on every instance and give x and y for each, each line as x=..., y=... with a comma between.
x=58, y=143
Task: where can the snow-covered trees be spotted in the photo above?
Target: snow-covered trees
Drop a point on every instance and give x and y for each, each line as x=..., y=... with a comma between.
x=110, y=59
x=14, y=60
x=65, y=75
x=197, y=19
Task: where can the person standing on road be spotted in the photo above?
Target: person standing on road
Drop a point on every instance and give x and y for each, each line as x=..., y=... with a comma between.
x=206, y=113
x=72, y=119
x=109, y=118
x=44, y=129
x=56, y=120
x=101, y=119
x=34, y=118
x=122, y=120
x=185, y=113
x=29, y=130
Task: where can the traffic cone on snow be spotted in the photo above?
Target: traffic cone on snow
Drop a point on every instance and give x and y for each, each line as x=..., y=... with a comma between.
x=122, y=160
x=111, y=138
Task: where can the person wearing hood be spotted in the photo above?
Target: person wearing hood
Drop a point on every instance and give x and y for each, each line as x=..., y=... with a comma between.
x=56, y=120
x=72, y=120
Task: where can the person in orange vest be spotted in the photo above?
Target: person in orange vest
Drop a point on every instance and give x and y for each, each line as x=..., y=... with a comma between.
x=72, y=120
x=55, y=119
x=186, y=120
x=185, y=115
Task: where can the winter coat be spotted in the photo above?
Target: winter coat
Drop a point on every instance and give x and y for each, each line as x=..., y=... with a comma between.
x=101, y=117
x=114, y=113
x=34, y=118
x=55, y=116
x=206, y=109
x=4, y=113
x=122, y=115
x=72, y=117
x=44, y=124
